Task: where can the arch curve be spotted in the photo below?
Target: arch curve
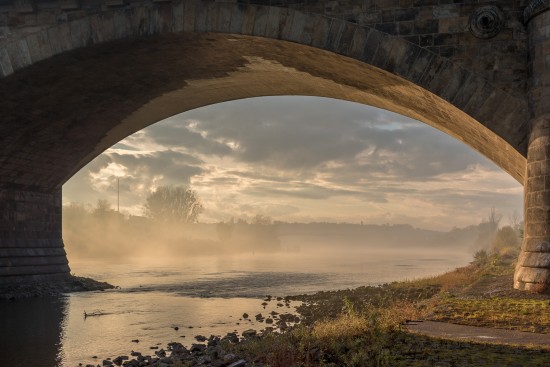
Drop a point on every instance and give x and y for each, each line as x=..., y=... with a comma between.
x=349, y=61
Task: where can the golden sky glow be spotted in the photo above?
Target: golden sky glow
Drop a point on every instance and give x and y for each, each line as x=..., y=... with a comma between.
x=303, y=159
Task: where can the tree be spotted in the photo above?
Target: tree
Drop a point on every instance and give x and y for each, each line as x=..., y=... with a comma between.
x=506, y=240
x=173, y=204
x=102, y=207
x=263, y=220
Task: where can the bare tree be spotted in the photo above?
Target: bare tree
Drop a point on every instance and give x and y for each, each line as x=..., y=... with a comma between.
x=173, y=204
x=494, y=218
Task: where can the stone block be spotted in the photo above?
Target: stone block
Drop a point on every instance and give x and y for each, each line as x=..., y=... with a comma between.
x=285, y=26
x=333, y=40
x=274, y=19
x=531, y=287
x=429, y=26
x=34, y=270
x=433, y=69
x=201, y=14
x=77, y=38
x=238, y=19
x=470, y=87
x=537, y=229
x=389, y=27
x=532, y=275
x=249, y=19
x=453, y=25
x=139, y=21
x=26, y=261
x=39, y=46
x=451, y=82
x=406, y=14
x=163, y=17
x=6, y=68
x=189, y=15
x=69, y=4
x=445, y=11
x=224, y=18
x=419, y=64
x=346, y=38
x=96, y=29
x=535, y=183
x=299, y=31
x=477, y=100
x=358, y=42
x=536, y=244
x=260, y=19
x=122, y=25
x=19, y=54
x=383, y=52
x=321, y=26
x=405, y=29
x=177, y=14
x=24, y=6
x=397, y=57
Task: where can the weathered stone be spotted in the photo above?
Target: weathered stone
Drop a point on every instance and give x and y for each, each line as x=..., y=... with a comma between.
x=437, y=71
x=534, y=259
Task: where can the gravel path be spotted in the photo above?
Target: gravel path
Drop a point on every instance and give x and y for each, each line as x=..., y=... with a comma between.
x=480, y=334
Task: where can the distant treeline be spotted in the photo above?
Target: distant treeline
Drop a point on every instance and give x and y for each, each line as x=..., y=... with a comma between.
x=101, y=232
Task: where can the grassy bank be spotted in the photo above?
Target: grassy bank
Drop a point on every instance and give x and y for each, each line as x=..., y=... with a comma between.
x=363, y=326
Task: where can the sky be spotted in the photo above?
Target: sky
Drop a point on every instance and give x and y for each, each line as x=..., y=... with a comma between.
x=303, y=159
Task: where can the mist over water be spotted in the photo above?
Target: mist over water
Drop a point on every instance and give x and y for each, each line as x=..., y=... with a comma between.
x=200, y=295
x=202, y=281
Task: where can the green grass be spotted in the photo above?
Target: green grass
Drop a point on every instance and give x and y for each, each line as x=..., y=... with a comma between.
x=362, y=327
x=370, y=340
x=530, y=315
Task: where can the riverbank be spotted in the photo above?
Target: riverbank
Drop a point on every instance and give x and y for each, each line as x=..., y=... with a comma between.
x=52, y=288
x=366, y=326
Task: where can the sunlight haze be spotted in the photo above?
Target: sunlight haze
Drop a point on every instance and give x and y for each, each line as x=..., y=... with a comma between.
x=303, y=159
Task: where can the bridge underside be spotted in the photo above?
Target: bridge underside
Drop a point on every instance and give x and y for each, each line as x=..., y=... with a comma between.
x=62, y=112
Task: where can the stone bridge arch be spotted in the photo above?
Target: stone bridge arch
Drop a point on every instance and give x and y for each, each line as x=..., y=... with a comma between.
x=120, y=69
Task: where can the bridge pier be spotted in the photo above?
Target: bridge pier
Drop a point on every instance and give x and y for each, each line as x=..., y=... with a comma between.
x=533, y=268
x=31, y=244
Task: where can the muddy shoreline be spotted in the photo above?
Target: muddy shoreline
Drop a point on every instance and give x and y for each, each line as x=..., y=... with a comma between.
x=52, y=288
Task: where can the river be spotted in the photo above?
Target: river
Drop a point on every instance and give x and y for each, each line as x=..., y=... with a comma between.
x=197, y=295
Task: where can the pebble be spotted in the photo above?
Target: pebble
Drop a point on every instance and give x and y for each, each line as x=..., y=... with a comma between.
x=239, y=363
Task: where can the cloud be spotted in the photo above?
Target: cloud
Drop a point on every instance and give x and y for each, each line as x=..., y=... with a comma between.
x=301, y=157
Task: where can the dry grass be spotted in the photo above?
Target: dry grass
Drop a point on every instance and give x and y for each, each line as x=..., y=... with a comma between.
x=453, y=280
x=373, y=338
x=361, y=327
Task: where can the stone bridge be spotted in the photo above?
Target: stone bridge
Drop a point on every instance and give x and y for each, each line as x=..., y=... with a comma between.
x=77, y=76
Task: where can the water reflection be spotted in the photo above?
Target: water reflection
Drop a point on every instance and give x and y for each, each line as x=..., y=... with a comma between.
x=30, y=331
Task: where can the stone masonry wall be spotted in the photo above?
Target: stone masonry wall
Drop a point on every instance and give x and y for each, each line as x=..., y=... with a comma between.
x=30, y=235
x=441, y=26
x=533, y=268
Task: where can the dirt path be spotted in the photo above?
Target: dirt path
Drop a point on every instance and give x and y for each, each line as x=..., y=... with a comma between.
x=481, y=334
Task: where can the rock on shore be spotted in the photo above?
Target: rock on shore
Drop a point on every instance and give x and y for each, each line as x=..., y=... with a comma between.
x=211, y=354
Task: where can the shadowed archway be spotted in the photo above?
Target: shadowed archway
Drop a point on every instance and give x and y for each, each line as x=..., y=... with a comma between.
x=72, y=90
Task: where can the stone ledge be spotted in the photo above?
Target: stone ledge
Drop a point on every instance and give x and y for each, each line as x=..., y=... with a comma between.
x=20, y=261
x=33, y=270
x=534, y=260
x=532, y=275
x=532, y=287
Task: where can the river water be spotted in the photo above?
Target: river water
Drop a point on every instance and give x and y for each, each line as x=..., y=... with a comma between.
x=198, y=295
